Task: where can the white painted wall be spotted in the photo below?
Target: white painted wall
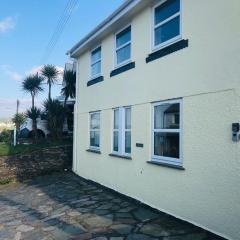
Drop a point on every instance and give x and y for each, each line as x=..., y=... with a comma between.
x=207, y=76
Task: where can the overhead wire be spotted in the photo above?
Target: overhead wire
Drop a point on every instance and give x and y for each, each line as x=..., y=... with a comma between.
x=62, y=22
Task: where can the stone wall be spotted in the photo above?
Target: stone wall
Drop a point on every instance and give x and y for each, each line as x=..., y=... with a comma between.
x=40, y=162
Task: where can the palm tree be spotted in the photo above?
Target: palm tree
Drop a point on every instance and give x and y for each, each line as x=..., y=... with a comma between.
x=55, y=112
x=69, y=83
x=34, y=113
x=19, y=119
x=50, y=72
x=32, y=84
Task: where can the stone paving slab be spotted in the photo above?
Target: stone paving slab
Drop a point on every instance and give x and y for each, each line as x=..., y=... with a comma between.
x=64, y=207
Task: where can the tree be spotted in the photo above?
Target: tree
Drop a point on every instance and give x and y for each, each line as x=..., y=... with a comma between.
x=32, y=84
x=50, y=72
x=19, y=119
x=69, y=83
x=55, y=112
x=33, y=113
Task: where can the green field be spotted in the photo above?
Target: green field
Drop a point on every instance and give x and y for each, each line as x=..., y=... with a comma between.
x=6, y=149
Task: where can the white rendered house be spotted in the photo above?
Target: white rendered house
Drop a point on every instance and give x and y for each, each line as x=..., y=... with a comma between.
x=158, y=108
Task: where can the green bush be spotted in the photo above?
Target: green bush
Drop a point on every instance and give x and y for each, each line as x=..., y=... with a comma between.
x=6, y=136
x=5, y=181
x=55, y=113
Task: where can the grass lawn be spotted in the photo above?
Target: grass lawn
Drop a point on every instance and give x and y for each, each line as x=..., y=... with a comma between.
x=6, y=149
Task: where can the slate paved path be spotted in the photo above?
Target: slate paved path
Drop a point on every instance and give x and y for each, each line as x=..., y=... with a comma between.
x=62, y=206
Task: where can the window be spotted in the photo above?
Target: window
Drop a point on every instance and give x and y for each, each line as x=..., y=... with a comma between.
x=167, y=17
x=96, y=62
x=95, y=130
x=122, y=131
x=166, y=133
x=123, y=46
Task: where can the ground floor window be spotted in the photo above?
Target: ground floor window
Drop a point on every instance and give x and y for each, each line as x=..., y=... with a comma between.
x=166, y=132
x=122, y=131
x=95, y=130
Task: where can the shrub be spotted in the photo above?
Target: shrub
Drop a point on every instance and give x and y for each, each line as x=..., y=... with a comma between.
x=6, y=136
x=55, y=113
x=5, y=181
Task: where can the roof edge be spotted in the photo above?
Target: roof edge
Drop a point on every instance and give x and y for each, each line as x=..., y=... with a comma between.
x=109, y=21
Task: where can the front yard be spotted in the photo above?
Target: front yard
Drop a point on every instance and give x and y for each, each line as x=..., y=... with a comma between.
x=62, y=206
x=8, y=150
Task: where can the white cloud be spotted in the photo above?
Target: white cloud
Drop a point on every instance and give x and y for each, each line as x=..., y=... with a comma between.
x=8, y=106
x=37, y=69
x=7, y=24
x=34, y=70
x=9, y=72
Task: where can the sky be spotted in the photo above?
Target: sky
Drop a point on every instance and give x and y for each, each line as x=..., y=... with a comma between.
x=26, y=28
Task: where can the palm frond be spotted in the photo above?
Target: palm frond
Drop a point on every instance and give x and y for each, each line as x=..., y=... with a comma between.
x=32, y=84
x=33, y=113
x=19, y=119
x=55, y=112
x=69, y=83
x=50, y=72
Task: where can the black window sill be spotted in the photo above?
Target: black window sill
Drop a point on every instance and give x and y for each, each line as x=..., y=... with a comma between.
x=120, y=156
x=166, y=165
x=122, y=69
x=94, y=151
x=94, y=81
x=167, y=50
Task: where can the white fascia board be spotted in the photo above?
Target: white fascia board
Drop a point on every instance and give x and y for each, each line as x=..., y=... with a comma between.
x=122, y=11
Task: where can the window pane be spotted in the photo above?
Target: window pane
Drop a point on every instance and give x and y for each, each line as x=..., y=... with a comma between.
x=96, y=68
x=94, y=138
x=115, y=141
x=123, y=37
x=116, y=119
x=127, y=118
x=166, y=10
x=166, y=144
x=123, y=54
x=95, y=121
x=96, y=55
x=128, y=142
x=166, y=116
x=167, y=31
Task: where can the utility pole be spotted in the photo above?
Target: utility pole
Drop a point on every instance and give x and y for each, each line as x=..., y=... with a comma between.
x=18, y=103
x=15, y=133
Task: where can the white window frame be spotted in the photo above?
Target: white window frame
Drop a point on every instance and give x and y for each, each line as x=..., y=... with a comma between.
x=94, y=130
x=162, y=159
x=121, y=131
x=116, y=65
x=92, y=63
x=170, y=41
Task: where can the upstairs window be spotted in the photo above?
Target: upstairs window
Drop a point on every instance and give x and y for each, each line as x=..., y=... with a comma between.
x=167, y=26
x=123, y=46
x=96, y=62
x=122, y=131
x=166, y=133
x=95, y=130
